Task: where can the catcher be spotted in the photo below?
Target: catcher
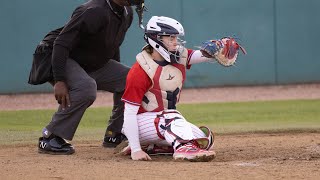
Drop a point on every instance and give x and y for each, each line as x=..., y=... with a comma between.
x=153, y=88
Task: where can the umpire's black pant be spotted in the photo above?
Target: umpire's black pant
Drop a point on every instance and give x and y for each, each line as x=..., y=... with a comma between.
x=83, y=88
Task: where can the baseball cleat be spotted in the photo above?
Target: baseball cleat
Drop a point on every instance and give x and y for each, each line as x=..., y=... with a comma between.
x=112, y=142
x=54, y=145
x=193, y=153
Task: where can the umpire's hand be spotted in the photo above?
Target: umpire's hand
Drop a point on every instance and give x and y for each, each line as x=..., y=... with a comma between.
x=61, y=93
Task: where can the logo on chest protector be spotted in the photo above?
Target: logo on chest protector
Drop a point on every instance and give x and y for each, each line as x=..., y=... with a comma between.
x=170, y=77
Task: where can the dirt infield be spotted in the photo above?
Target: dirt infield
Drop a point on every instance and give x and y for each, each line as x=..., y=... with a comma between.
x=250, y=156
x=241, y=156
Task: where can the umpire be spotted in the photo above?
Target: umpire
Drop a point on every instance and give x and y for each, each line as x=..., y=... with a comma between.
x=86, y=58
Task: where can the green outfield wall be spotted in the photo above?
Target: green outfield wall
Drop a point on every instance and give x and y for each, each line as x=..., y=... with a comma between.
x=281, y=37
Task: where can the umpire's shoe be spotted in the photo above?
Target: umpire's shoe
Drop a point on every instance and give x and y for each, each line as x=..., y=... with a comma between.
x=55, y=145
x=112, y=142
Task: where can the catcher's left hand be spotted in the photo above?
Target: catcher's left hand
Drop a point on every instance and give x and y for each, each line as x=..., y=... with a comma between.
x=225, y=50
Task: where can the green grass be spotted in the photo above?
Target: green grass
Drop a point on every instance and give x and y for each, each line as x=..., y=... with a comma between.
x=264, y=116
x=256, y=116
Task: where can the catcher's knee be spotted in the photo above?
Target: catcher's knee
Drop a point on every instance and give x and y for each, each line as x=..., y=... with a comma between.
x=176, y=128
x=181, y=129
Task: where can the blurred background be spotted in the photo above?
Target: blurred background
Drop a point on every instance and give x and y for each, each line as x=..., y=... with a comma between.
x=281, y=38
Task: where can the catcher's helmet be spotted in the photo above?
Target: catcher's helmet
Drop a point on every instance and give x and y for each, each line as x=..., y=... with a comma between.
x=164, y=26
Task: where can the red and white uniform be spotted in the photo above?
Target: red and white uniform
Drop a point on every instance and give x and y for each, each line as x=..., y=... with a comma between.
x=148, y=94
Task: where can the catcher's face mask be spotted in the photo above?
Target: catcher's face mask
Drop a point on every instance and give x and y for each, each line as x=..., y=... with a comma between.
x=175, y=45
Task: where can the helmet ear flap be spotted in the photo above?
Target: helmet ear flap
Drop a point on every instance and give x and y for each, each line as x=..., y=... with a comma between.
x=157, y=45
x=145, y=37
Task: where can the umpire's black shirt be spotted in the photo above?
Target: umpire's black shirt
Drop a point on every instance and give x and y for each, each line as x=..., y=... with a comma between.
x=91, y=37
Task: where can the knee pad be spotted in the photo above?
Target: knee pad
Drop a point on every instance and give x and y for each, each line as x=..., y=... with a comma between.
x=180, y=128
x=177, y=129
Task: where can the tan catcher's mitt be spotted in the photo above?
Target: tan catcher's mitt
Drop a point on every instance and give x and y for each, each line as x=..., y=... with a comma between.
x=224, y=51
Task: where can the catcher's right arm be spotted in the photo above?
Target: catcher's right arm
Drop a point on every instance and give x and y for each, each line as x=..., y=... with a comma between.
x=224, y=51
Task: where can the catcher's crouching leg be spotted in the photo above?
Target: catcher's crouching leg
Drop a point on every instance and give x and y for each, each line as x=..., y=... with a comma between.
x=179, y=133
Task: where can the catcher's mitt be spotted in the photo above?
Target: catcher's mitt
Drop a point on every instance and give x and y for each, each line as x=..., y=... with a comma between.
x=225, y=50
